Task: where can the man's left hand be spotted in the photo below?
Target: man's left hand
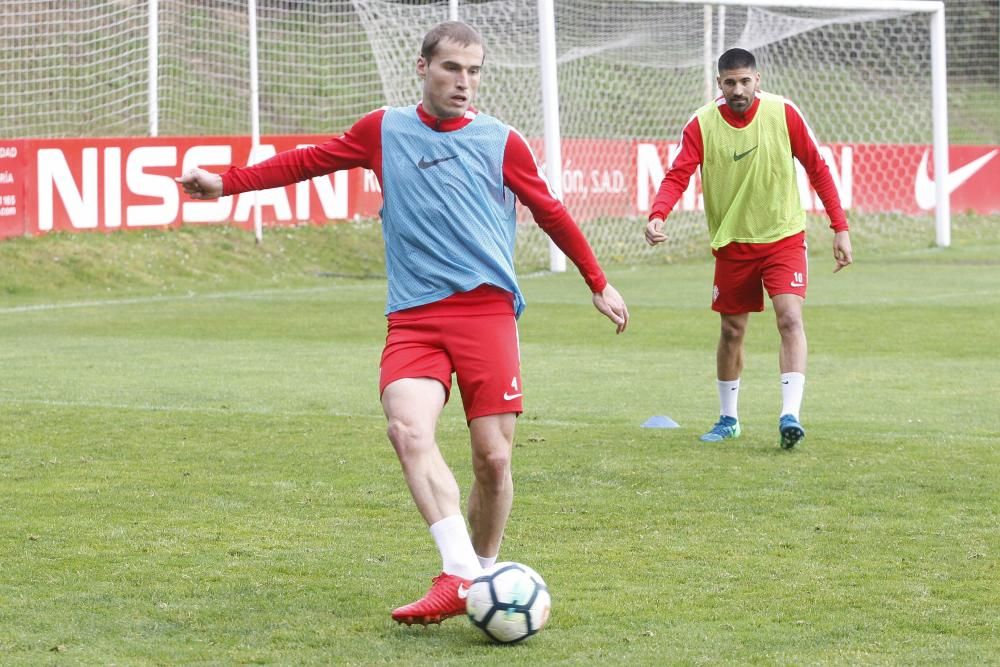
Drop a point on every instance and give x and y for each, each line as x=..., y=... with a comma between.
x=611, y=304
x=842, y=250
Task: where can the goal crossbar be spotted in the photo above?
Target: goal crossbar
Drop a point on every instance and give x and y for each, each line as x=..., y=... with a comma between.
x=872, y=5
x=935, y=8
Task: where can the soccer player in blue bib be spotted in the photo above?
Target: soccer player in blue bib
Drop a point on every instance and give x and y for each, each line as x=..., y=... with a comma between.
x=450, y=177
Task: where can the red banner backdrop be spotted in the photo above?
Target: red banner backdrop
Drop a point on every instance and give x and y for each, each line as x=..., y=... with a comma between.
x=110, y=184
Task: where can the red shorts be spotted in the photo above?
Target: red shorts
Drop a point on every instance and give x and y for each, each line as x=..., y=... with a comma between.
x=474, y=335
x=741, y=278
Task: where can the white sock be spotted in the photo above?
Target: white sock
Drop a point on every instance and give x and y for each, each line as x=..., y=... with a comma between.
x=453, y=541
x=792, y=387
x=729, y=394
x=487, y=562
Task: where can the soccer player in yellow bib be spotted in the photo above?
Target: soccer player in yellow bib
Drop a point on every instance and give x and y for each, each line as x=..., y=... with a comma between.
x=744, y=142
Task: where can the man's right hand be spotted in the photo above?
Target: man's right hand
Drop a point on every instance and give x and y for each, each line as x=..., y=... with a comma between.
x=201, y=184
x=654, y=231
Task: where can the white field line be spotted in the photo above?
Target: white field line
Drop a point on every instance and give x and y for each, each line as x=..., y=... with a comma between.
x=195, y=296
x=915, y=298
x=150, y=407
x=207, y=409
x=191, y=296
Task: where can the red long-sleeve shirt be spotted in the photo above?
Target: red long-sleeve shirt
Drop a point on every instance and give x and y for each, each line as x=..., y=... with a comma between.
x=361, y=146
x=804, y=147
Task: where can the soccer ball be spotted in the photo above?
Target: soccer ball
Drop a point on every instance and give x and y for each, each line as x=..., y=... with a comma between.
x=509, y=602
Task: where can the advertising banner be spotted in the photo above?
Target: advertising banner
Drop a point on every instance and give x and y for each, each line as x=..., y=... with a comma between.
x=128, y=183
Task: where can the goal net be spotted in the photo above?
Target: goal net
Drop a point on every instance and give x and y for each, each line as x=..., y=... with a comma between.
x=632, y=73
x=79, y=69
x=316, y=71
x=70, y=67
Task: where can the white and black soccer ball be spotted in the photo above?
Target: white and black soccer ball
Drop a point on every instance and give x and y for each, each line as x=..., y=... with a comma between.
x=509, y=602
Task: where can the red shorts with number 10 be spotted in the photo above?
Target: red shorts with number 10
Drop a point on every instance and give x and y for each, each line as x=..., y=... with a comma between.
x=471, y=334
x=744, y=270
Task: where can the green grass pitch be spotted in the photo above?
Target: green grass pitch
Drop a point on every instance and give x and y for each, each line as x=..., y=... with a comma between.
x=194, y=470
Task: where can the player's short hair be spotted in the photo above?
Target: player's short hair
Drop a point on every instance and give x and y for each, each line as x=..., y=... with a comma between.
x=456, y=31
x=737, y=59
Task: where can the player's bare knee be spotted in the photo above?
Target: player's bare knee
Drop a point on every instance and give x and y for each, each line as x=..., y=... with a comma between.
x=409, y=438
x=790, y=325
x=732, y=333
x=492, y=468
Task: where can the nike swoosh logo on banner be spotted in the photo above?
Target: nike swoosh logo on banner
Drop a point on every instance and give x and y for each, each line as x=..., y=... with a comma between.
x=510, y=397
x=923, y=187
x=463, y=592
x=424, y=164
x=740, y=156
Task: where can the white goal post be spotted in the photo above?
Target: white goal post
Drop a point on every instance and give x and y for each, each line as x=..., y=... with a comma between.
x=869, y=76
x=939, y=82
x=550, y=101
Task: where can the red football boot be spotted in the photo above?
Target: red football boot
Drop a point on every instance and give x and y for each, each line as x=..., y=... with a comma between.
x=445, y=599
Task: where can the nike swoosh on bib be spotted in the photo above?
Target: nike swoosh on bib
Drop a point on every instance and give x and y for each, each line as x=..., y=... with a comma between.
x=425, y=164
x=923, y=187
x=740, y=156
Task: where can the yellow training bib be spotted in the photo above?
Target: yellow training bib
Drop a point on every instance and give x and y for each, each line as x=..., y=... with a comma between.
x=748, y=176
